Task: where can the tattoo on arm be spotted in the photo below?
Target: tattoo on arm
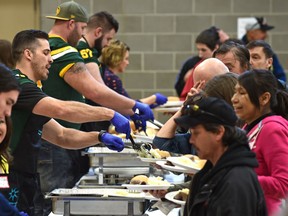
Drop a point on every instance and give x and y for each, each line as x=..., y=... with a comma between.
x=78, y=67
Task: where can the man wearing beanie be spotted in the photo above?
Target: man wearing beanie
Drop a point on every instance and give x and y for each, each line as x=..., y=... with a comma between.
x=227, y=184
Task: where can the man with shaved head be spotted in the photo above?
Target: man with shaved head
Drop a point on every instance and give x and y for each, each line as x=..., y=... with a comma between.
x=205, y=71
x=208, y=69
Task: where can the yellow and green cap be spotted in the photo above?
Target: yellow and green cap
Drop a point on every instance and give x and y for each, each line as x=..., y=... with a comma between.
x=70, y=10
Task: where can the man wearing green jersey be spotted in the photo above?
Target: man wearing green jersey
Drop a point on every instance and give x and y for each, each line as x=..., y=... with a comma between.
x=33, y=116
x=69, y=79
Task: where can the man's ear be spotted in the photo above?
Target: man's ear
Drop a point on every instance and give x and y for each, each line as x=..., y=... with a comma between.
x=28, y=54
x=70, y=24
x=220, y=133
x=98, y=32
x=269, y=62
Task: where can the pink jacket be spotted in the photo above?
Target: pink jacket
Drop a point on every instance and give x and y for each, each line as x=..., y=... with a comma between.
x=269, y=140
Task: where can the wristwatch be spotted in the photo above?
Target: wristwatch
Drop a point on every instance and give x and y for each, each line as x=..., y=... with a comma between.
x=101, y=134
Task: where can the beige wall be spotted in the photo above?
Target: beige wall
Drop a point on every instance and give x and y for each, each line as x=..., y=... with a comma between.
x=161, y=33
x=16, y=15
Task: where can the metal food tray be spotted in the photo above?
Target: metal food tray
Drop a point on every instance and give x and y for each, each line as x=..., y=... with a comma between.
x=82, y=202
x=105, y=151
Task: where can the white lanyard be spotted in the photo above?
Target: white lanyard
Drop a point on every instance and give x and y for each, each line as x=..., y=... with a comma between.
x=253, y=136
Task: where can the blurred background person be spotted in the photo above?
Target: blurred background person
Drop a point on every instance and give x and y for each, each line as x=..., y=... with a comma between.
x=234, y=55
x=6, y=57
x=9, y=91
x=206, y=42
x=261, y=57
x=257, y=30
x=115, y=59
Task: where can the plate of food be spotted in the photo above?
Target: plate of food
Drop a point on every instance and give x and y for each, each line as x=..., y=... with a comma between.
x=171, y=167
x=172, y=104
x=142, y=182
x=191, y=163
x=167, y=109
x=178, y=197
x=152, y=155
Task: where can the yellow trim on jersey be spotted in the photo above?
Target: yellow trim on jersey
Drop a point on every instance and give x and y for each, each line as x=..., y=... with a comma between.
x=58, y=53
x=6, y=165
x=65, y=69
x=57, y=36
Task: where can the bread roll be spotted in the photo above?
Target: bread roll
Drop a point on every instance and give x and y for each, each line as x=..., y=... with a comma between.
x=182, y=195
x=139, y=179
x=163, y=154
x=173, y=98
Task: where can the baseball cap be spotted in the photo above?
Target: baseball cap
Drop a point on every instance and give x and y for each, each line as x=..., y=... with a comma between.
x=70, y=10
x=207, y=110
x=258, y=23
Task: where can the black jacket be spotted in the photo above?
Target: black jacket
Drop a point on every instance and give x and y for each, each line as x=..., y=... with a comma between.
x=230, y=188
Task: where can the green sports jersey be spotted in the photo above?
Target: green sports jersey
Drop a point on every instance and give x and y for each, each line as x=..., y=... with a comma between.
x=64, y=57
x=89, y=54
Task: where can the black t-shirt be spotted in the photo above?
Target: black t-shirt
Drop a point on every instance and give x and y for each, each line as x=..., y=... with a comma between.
x=27, y=127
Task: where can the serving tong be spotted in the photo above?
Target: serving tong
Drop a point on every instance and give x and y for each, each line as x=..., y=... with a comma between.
x=140, y=146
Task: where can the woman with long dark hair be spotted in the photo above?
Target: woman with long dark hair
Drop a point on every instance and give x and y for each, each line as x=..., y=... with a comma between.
x=264, y=108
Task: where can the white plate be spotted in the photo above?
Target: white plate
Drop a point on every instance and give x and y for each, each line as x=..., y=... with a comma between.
x=170, y=196
x=172, y=104
x=171, y=168
x=191, y=167
x=167, y=109
x=146, y=187
x=150, y=160
x=125, y=193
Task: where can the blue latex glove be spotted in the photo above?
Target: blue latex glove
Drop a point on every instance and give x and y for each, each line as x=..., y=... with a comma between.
x=112, y=142
x=139, y=122
x=160, y=99
x=23, y=214
x=143, y=110
x=121, y=124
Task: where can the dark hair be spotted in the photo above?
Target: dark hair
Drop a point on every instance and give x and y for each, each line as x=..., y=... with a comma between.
x=209, y=37
x=231, y=134
x=260, y=43
x=256, y=82
x=235, y=40
x=26, y=39
x=6, y=54
x=8, y=82
x=4, y=145
x=104, y=20
x=240, y=52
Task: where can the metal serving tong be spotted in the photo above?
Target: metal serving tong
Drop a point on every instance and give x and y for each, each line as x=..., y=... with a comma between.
x=140, y=146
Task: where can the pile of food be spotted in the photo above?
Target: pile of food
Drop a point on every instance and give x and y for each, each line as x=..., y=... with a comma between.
x=150, y=132
x=192, y=160
x=146, y=152
x=182, y=194
x=144, y=180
